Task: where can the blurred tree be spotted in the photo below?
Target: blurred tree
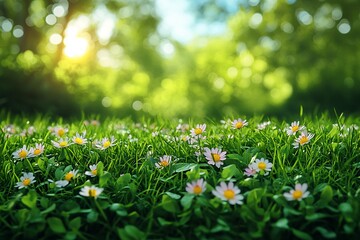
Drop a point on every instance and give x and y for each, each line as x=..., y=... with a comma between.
x=287, y=53
x=89, y=50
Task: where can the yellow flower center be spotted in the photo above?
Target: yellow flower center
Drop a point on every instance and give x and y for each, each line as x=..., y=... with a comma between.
x=303, y=140
x=239, y=125
x=63, y=144
x=106, y=144
x=26, y=181
x=37, y=151
x=198, y=131
x=61, y=132
x=216, y=157
x=229, y=194
x=197, y=189
x=69, y=176
x=94, y=171
x=294, y=128
x=23, y=154
x=164, y=163
x=79, y=140
x=261, y=165
x=297, y=194
x=92, y=192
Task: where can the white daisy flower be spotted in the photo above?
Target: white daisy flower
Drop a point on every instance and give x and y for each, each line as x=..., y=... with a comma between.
x=228, y=192
x=298, y=193
x=105, y=143
x=61, y=143
x=238, y=123
x=93, y=171
x=164, y=161
x=303, y=139
x=79, y=139
x=262, y=165
x=91, y=191
x=198, y=130
x=25, y=180
x=22, y=153
x=215, y=156
x=70, y=175
x=294, y=128
x=196, y=187
x=37, y=150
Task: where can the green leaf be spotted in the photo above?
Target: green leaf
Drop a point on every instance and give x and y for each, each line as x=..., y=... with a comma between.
x=194, y=173
x=173, y=195
x=123, y=181
x=182, y=167
x=316, y=216
x=164, y=222
x=70, y=206
x=169, y=204
x=56, y=225
x=347, y=211
x=130, y=232
x=59, y=173
x=282, y=223
x=100, y=168
x=254, y=197
x=326, y=233
x=92, y=217
x=325, y=197
x=41, y=164
x=49, y=209
x=301, y=235
x=279, y=199
x=230, y=171
x=75, y=223
x=186, y=201
x=233, y=156
x=30, y=199
x=104, y=178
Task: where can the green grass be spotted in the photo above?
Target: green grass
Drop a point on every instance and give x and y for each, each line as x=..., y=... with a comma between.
x=141, y=201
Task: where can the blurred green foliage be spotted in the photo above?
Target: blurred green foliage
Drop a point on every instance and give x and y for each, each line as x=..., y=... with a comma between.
x=275, y=56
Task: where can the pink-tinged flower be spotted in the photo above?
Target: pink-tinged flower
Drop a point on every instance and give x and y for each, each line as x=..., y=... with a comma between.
x=239, y=123
x=215, y=156
x=93, y=171
x=25, y=180
x=263, y=166
x=22, y=153
x=294, y=128
x=105, y=143
x=198, y=130
x=303, y=139
x=91, y=191
x=196, y=187
x=164, y=161
x=228, y=192
x=298, y=193
x=250, y=171
x=37, y=150
x=79, y=139
x=61, y=143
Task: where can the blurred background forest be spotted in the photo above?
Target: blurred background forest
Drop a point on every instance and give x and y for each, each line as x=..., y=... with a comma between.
x=64, y=57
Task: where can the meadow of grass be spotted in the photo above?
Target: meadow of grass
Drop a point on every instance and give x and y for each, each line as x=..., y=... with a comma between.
x=248, y=178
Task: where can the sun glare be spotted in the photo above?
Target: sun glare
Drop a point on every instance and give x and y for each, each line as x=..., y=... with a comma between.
x=76, y=39
x=75, y=46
